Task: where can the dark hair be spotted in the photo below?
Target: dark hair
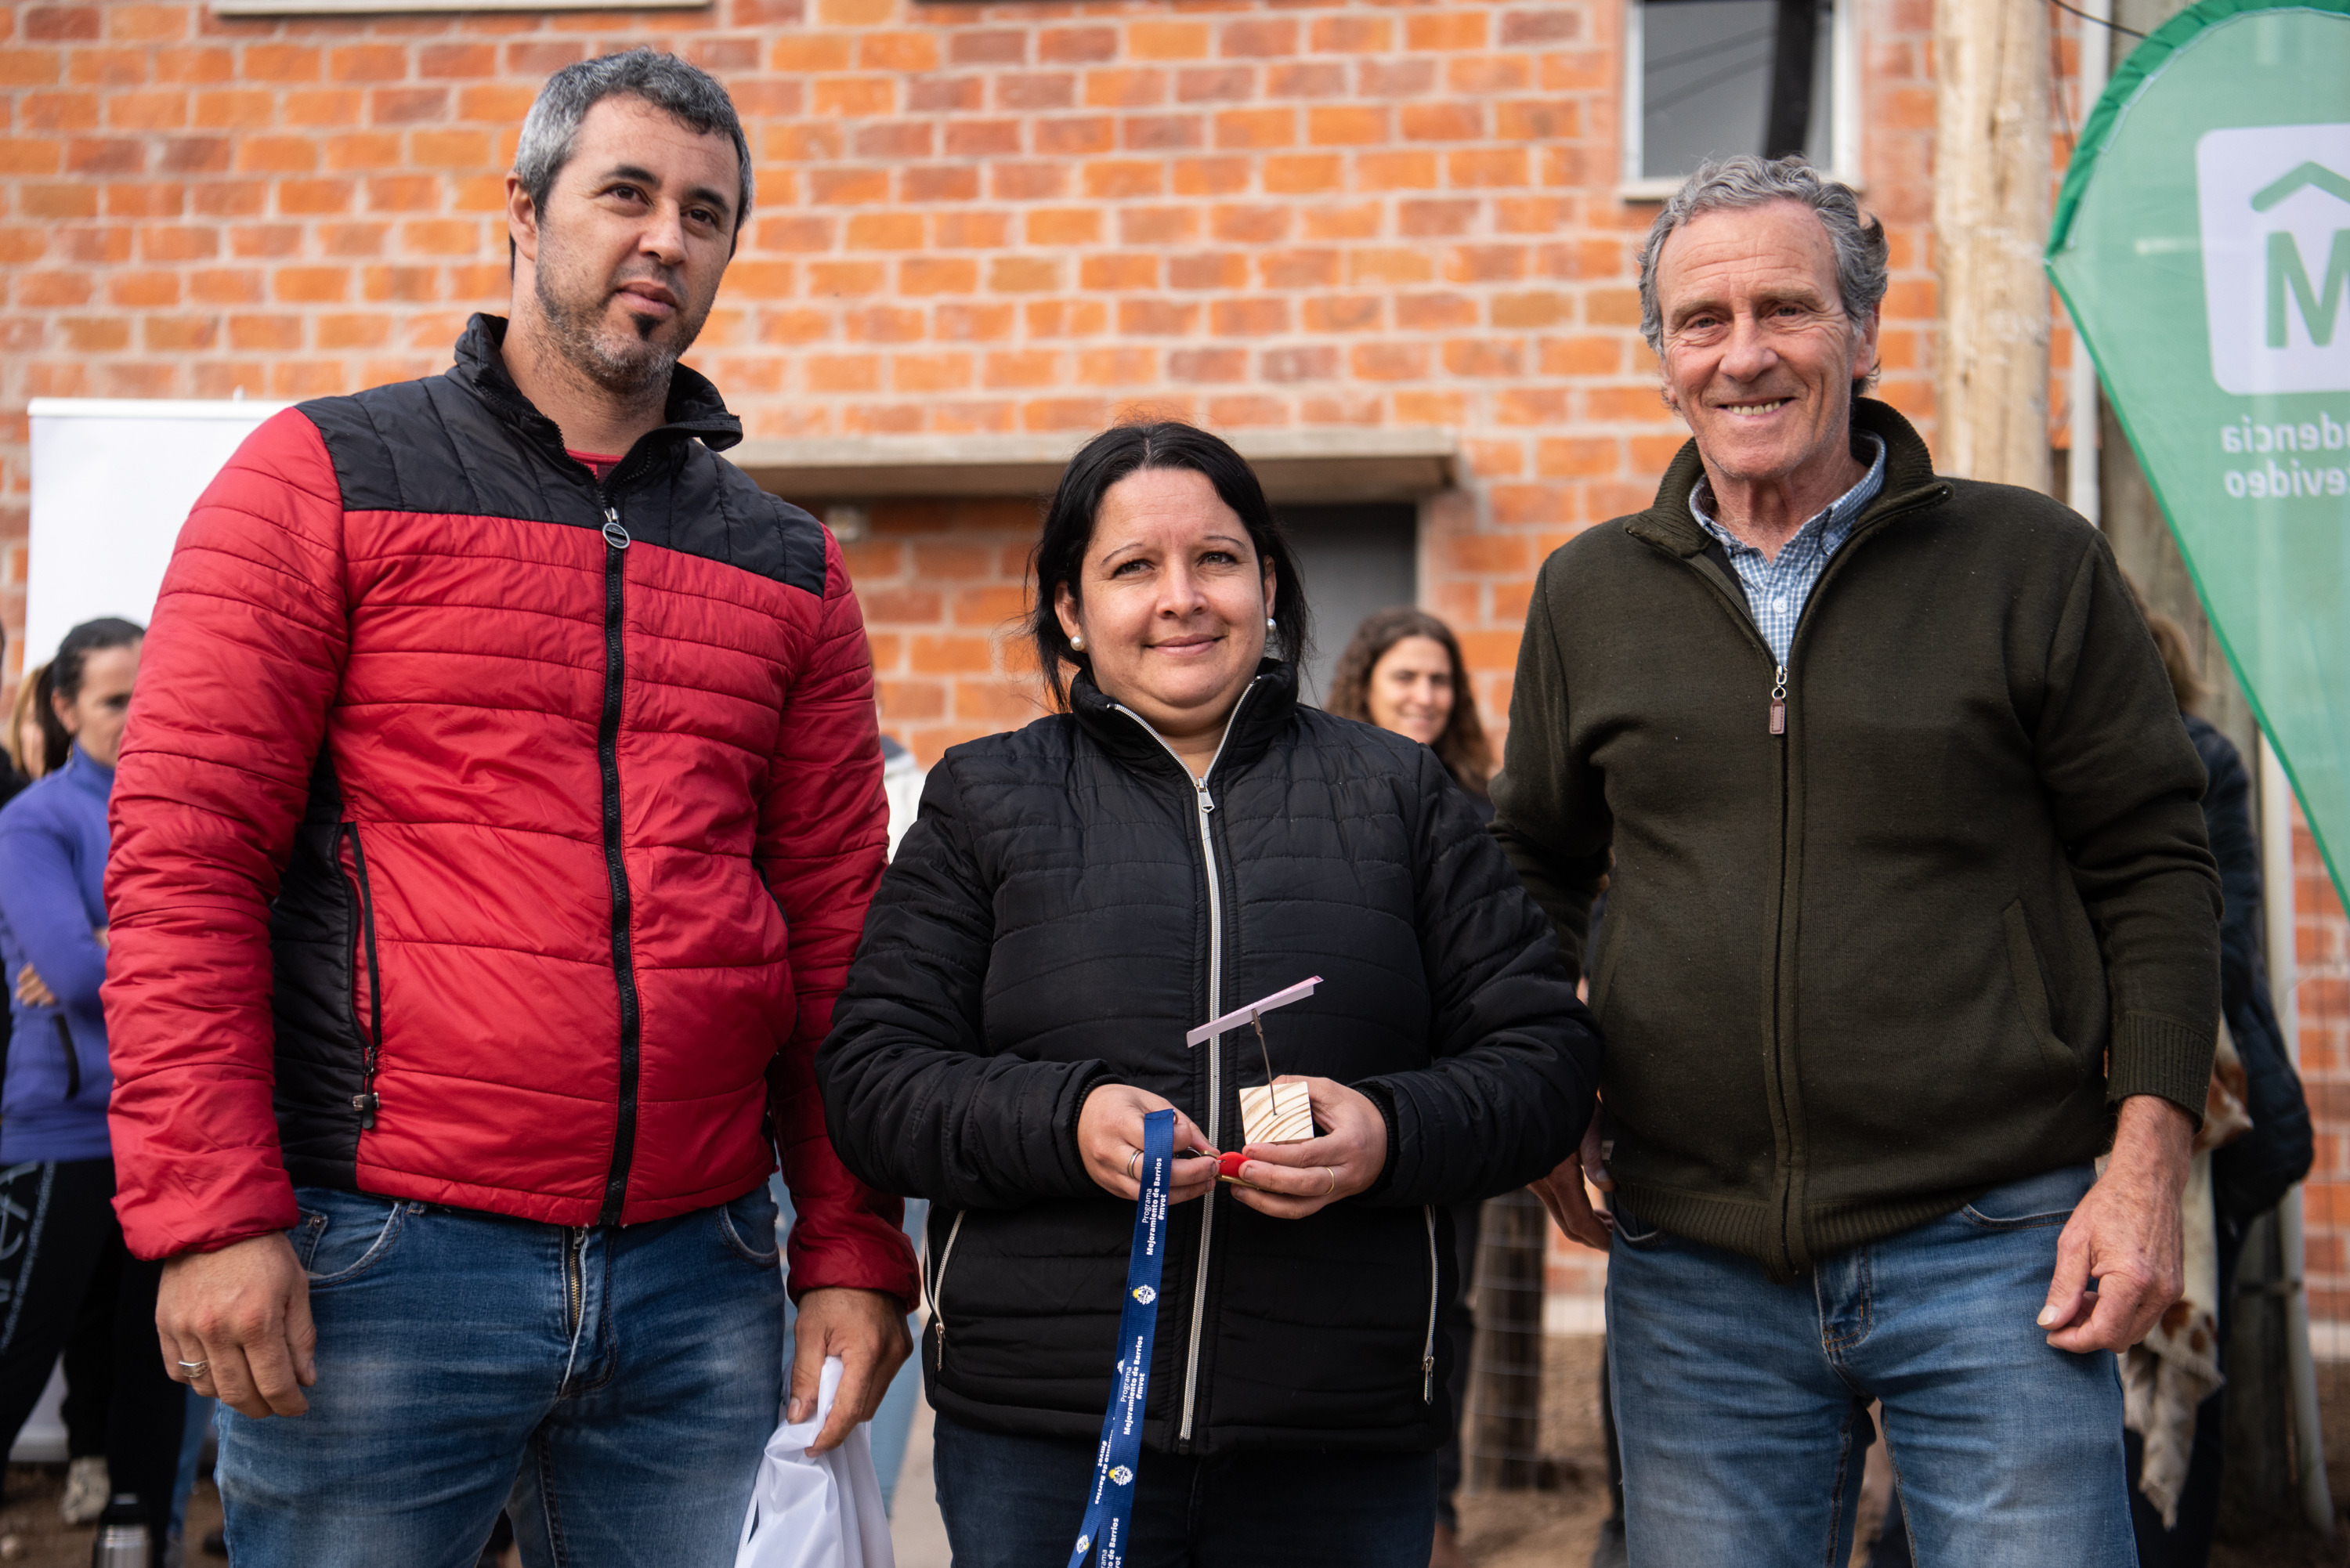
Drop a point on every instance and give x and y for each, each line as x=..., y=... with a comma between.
x=1463, y=747
x=65, y=670
x=687, y=93
x=1069, y=522
x=2171, y=640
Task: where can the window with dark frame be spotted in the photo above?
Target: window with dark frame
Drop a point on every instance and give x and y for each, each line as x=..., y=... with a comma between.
x=1717, y=78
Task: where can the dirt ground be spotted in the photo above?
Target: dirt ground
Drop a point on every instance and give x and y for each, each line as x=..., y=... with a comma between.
x=1555, y=1528
x=33, y=1535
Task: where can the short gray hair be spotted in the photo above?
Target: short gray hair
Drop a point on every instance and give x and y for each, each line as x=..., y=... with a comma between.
x=1745, y=181
x=688, y=94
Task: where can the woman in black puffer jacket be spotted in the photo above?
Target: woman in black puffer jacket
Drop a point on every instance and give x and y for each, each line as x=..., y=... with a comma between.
x=1078, y=894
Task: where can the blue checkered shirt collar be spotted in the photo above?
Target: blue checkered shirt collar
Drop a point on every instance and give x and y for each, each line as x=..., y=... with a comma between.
x=1777, y=590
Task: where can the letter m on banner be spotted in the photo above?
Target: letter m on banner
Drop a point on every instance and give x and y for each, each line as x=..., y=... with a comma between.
x=2288, y=277
x=2274, y=201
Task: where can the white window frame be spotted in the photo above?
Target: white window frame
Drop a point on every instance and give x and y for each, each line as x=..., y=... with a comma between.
x=1844, y=86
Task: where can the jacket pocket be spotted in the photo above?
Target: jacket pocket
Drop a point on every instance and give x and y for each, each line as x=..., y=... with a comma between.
x=73, y=1057
x=1632, y=1230
x=2063, y=1066
x=2033, y=1202
x=366, y=980
x=341, y=1236
x=751, y=1215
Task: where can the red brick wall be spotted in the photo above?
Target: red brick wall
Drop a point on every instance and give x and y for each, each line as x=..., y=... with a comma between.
x=2321, y=951
x=972, y=219
x=941, y=583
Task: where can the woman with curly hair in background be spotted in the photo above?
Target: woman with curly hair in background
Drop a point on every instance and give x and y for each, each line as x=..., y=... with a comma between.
x=1403, y=672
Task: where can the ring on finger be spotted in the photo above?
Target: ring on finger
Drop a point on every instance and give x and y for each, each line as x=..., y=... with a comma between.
x=1133, y=1163
x=195, y=1369
x=1334, y=1181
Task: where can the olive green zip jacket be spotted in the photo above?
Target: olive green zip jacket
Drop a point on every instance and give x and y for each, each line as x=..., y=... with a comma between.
x=1857, y=973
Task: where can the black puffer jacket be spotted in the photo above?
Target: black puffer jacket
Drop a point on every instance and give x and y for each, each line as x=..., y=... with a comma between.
x=1066, y=907
x=2250, y=1175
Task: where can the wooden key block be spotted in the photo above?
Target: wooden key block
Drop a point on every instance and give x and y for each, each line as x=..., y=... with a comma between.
x=1278, y=1113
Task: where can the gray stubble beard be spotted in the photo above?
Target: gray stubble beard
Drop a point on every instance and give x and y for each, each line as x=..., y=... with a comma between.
x=579, y=337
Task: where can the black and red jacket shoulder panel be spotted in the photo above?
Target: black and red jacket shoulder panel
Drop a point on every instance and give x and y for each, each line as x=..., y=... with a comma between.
x=488, y=836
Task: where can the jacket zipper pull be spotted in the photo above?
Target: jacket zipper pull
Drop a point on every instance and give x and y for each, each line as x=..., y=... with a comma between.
x=613, y=535
x=365, y=1105
x=1778, y=703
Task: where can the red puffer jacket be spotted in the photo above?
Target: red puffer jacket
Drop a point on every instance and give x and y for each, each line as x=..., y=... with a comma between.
x=510, y=831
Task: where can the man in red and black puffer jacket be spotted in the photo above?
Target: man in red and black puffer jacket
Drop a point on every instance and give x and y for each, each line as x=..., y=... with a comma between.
x=499, y=811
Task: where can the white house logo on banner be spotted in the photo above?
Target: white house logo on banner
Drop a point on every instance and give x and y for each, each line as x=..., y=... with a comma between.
x=2275, y=207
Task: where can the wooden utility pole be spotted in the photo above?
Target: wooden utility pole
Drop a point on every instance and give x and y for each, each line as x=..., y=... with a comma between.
x=1991, y=221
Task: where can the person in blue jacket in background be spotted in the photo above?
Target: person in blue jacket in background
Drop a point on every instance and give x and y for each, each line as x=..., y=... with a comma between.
x=59, y=1236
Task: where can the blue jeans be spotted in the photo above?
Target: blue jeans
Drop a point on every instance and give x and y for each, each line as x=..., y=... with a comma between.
x=616, y=1406
x=1016, y=1503
x=1743, y=1404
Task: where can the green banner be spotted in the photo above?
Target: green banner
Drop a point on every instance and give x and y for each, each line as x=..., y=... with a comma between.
x=2202, y=244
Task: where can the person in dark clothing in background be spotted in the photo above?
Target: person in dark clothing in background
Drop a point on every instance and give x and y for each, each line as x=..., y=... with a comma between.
x=2252, y=1173
x=1076, y=897
x=1403, y=672
x=59, y=1241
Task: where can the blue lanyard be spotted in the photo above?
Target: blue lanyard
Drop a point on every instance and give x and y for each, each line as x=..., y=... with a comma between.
x=1111, y=1501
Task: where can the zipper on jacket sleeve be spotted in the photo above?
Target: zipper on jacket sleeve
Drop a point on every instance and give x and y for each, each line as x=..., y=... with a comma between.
x=1205, y=805
x=934, y=1287
x=607, y=759
x=371, y=1050
x=1427, y=1347
x=1779, y=702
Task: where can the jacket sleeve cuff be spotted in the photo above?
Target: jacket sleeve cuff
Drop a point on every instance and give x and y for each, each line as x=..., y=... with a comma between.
x=863, y=1252
x=2164, y=1057
x=203, y=1215
x=1383, y=1095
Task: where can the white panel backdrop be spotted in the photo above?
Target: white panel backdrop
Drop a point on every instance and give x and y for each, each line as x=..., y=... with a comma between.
x=112, y=482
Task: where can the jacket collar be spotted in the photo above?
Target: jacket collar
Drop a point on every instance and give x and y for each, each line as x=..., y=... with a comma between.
x=695, y=408
x=1263, y=711
x=87, y=773
x=1909, y=482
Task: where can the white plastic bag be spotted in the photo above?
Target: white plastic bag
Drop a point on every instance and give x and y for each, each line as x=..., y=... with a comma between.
x=817, y=1512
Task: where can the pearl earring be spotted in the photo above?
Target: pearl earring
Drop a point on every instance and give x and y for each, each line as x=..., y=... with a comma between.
x=1269, y=624
x=1077, y=644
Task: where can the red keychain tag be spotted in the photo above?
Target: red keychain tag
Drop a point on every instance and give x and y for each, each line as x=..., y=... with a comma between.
x=1228, y=1168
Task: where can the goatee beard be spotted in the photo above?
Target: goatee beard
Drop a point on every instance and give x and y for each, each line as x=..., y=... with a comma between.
x=630, y=370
